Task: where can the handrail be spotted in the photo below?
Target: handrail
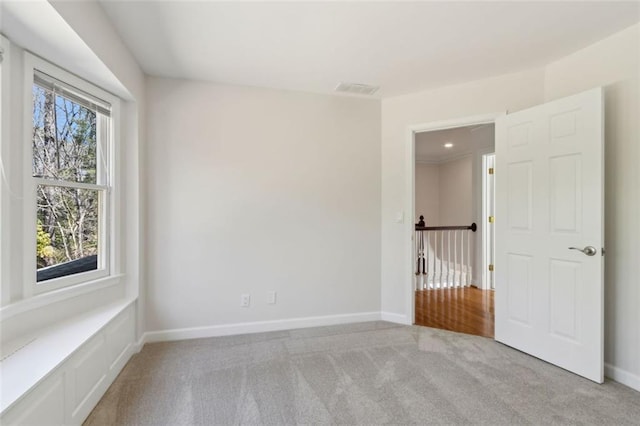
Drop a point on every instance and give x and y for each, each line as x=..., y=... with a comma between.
x=472, y=227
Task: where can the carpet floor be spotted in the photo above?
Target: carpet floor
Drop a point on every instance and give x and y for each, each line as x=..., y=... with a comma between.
x=366, y=373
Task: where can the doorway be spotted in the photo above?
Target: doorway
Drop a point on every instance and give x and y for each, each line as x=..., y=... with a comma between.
x=550, y=229
x=452, y=242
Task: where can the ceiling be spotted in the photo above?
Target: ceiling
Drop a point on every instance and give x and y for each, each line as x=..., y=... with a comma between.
x=402, y=47
x=430, y=145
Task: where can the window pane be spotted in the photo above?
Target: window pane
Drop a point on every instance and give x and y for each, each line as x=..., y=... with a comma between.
x=67, y=231
x=64, y=138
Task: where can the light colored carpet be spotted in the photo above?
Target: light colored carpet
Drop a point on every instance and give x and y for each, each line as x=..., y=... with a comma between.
x=368, y=373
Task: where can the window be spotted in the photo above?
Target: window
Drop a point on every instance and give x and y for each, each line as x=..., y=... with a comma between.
x=71, y=179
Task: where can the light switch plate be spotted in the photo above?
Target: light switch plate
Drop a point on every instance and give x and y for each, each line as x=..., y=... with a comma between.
x=400, y=217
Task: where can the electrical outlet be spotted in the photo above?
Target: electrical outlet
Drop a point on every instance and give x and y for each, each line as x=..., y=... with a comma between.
x=245, y=300
x=271, y=297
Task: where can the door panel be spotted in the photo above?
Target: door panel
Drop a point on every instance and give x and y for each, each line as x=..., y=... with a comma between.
x=520, y=196
x=519, y=288
x=549, y=197
x=565, y=191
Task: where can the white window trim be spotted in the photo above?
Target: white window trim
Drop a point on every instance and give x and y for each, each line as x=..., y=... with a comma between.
x=5, y=290
x=110, y=219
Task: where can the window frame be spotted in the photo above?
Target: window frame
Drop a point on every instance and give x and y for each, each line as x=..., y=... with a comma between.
x=5, y=247
x=107, y=217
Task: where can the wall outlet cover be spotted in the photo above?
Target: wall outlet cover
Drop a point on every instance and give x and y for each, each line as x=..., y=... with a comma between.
x=245, y=300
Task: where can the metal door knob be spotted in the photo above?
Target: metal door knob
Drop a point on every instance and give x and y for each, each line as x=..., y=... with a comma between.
x=588, y=250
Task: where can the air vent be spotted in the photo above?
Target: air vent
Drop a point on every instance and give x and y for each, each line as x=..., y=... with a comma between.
x=357, y=88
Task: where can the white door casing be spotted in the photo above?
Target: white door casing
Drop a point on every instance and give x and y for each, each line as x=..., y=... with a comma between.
x=549, y=197
x=488, y=211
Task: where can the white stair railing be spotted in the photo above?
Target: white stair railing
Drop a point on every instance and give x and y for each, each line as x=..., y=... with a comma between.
x=443, y=256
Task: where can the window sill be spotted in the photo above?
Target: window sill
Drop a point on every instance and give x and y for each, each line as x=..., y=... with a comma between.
x=59, y=295
x=31, y=359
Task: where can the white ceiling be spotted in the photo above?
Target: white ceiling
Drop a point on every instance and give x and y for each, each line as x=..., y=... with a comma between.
x=401, y=46
x=430, y=145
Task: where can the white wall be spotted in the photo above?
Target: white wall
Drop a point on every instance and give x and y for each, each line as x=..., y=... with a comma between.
x=255, y=190
x=614, y=64
x=510, y=92
x=456, y=195
x=444, y=192
x=427, y=193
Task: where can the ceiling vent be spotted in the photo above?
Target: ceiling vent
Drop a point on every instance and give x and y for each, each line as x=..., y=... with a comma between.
x=357, y=88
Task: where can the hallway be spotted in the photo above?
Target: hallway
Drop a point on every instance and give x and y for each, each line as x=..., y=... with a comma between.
x=465, y=310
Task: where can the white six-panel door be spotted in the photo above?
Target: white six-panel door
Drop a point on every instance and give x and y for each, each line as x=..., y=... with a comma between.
x=549, y=197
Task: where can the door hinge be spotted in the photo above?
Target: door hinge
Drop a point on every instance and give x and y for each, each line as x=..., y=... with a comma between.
x=492, y=219
x=490, y=170
x=491, y=267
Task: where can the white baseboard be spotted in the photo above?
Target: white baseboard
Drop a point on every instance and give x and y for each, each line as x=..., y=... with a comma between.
x=622, y=376
x=117, y=366
x=397, y=318
x=256, y=327
x=137, y=346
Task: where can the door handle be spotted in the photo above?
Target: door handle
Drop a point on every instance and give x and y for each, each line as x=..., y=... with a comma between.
x=588, y=250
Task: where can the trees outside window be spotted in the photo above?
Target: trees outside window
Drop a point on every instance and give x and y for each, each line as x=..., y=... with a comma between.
x=69, y=165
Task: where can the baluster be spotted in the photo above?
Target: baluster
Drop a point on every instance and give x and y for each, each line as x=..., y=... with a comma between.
x=471, y=254
x=455, y=258
x=417, y=251
x=445, y=269
x=423, y=260
x=433, y=269
x=462, y=258
x=419, y=257
x=419, y=260
x=445, y=256
x=426, y=271
x=463, y=264
x=462, y=233
x=441, y=251
x=435, y=258
x=469, y=258
x=448, y=261
x=452, y=262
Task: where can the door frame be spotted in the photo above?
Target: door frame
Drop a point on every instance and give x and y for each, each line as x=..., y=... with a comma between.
x=409, y=199
x=486, y=245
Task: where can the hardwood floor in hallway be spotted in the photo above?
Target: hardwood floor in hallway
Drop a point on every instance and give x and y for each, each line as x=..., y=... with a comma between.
x=465, y=310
